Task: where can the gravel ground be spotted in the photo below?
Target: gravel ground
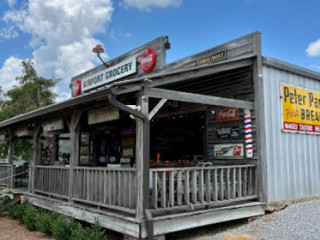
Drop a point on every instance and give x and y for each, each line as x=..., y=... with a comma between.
x=298, y=221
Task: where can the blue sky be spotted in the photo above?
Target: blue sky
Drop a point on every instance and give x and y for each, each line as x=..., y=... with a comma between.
x=58, y=35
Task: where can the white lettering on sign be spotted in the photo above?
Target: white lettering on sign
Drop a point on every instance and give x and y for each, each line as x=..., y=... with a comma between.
x=110, y=74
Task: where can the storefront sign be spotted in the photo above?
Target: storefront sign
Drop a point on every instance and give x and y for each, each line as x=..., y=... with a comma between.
x=300, y=110
x=52, y=126
x=227, y=115
x=76, y=88
x=23, y=132
x=148, y=60
x=207, y=60
x=227, y=132
x=103, y=115
x=110, y=74
x=228, y=151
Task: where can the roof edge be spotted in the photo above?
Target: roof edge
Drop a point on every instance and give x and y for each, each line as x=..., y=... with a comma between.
x=288, y=67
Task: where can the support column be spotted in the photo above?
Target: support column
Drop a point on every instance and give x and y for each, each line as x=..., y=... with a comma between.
x=36, y=159
x=142, y=160
x=75, y=145
x=11, y=155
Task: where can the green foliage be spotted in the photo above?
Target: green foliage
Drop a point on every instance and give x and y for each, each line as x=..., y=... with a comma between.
x=29, y=217
x=94, y=233
x=5, y=200
x=55, y=225
x=62, y=229
x=44, y=222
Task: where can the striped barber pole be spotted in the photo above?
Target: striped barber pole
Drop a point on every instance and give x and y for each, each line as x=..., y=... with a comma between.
x=248, y=132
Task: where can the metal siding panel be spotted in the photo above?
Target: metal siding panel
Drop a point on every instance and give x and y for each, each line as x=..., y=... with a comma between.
x=293, y=167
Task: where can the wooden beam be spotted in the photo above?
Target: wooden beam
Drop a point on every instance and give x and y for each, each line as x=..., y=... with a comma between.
x=260, y=121
x=36, y=159
x=142, y=160
x=197, y=98
x=157, y=108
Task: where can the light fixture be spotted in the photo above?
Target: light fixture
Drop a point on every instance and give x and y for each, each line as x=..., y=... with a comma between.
x=98, y=49
x=131, y=116
x=135, y=107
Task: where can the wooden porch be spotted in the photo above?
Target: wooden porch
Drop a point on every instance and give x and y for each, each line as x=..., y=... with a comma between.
x=179, y=198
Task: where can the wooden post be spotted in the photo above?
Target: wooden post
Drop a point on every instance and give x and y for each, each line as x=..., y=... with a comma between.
x=260, y=120
x=11, y=155
x=75, y=145
x=142, y=160
x=36, y=159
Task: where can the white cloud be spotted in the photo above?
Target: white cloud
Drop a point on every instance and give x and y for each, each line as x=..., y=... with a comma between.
x=8, y=73
x=313, y=49
x=147, y=4
x=62, y=33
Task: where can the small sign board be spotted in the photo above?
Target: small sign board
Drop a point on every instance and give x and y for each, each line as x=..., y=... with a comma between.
x=229, y=151
x=216, y=57
x=52, y=126
x=225, y=115
x=110, y=74
x=103, y=115
x=228, y=132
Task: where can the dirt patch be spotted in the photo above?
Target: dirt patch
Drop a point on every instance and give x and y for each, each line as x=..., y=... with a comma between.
x=11, y=229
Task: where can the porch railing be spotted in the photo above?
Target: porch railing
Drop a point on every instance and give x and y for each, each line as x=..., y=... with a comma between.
x=178, y=187
x=51, y=180
x=105, y=187
x=6, y=174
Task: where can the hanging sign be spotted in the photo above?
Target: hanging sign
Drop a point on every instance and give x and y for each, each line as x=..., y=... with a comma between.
x=228, y=151
x=110, y=74
x=103, y=115
x=227, y=132
x=148, y=60
x=227, y=115
x=23, y=132
x=300, y=110
x=216, y=57
x=52, y=126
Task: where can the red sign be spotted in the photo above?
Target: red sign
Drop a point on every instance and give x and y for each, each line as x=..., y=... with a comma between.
x=148, y=60
x=227, y=115
x=76, y=88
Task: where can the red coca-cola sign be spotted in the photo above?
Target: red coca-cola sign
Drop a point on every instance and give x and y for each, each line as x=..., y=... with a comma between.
x=148, y=60
x=76, y=88
x=227, y=115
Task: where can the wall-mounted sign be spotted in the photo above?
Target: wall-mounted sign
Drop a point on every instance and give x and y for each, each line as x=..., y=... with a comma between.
x=228, y=132
x=228, y=151
x=300, y=110
x=227, y=115
x=110, y=74
x=148, y=60
x=103, y=115
x=207, y=60
x=76, y=88
x=52, y=126
x=23, y=132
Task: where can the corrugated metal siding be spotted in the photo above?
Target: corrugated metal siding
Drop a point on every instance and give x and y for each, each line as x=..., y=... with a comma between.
x=293, y=160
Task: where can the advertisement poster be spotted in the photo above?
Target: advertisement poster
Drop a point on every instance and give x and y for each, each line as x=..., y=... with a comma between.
x=228, y=151
x=300, y=110
x=226, y=115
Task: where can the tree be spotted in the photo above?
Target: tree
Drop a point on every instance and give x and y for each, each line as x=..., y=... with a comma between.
x=33, y=92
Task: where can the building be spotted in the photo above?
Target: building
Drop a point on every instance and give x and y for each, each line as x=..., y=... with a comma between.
x=157, y=148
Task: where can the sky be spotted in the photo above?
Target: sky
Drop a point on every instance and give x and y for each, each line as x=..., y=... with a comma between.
x=58, y=35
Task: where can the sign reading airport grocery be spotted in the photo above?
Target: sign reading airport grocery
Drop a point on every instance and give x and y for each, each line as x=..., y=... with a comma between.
x=300, y=110
x=110, y=74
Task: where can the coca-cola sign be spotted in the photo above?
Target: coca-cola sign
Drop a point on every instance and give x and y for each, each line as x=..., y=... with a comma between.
x=227, y=115
x=148, y=60
x=76, y=88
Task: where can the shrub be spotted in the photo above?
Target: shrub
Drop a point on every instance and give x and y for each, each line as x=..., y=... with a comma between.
x=94, y=233
x=44, y=222
x=30, y=216
x=18, y=211
x=5, y=200
x=62, y=229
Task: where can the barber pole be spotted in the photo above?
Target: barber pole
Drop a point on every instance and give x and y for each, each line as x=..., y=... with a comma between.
x=248, y=132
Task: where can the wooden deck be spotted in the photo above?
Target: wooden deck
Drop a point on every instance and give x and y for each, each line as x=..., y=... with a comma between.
x=180, y=198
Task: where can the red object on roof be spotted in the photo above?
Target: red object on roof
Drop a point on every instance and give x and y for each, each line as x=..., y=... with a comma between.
x=98, y=49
